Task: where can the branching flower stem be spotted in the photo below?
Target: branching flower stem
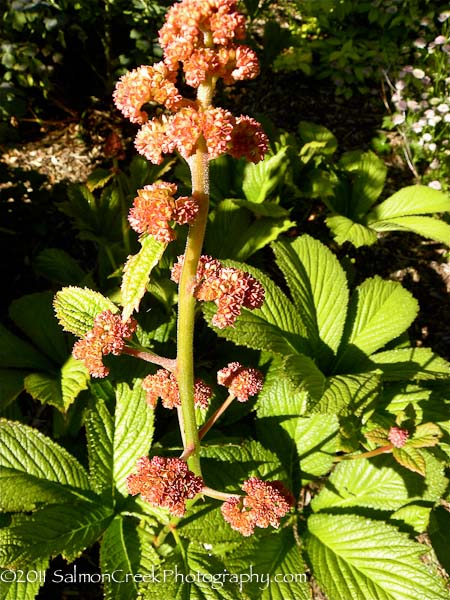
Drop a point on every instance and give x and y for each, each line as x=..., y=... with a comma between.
x=167, y=363
x=215, y=417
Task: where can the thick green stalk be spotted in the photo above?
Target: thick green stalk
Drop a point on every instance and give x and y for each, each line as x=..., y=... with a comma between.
x=198, y=164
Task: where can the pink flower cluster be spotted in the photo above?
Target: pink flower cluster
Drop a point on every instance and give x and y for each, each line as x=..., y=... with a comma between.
x=106, y=337
x=155, y=208
x=230, y=288
x=398, y=437
x=241, y=381
x=201, y=36
x=163, y=384
x=265, y=503
x=165, y=482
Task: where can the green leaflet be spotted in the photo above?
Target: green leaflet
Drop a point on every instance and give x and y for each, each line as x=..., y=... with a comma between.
x=346, y=230
x=65, y=529
x=319, y=290
x=261, y=179
x=410, y=200
x=76, y=308
x=271, y=556
x=137, y=271
x=355, y=558
x=116, y=441
x=420, y=364
x=380, y=484
x=347, y=394
x=428, y=227
x=379, y=311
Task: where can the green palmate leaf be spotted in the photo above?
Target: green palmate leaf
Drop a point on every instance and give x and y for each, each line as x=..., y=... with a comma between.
x=116, y=442
x=305, y=375
x=369, y=177
x=11, y=384
x=411, y=200
x=58, y=266
x=428, y=227
x=311, y=132
x=411, y=458
x=271, y=567
x=319, y=290
x=137, y=271
x=65, y=529
x=27, y=583
x=421, y=364
x=35, y=317
x=356, y=559
x=120, y=553
x=25, y=449
x=59, y=390
x=347, y=394
x=15, y=353
x=76, y=308
x=274, y=327
x=346, y=230
x=378, y=483
x=261, y=179
x=379, y=312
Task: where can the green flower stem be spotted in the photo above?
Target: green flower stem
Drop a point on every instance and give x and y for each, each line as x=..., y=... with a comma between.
x=382, y=450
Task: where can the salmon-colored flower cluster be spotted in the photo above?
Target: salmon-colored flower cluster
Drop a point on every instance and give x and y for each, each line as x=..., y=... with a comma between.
x=242, y=382
x=155, y=208
x=231, y=289
x=398, y=437
x=107, y=336
x=202, y=36
x=265, y=504
x=163, y=384
x=165, y=482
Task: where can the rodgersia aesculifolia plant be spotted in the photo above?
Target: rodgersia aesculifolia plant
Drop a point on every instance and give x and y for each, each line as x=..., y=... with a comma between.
x=202, y=43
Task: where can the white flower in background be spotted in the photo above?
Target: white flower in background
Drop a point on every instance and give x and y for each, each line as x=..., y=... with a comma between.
x=417, y=127
x=400, y=84
x=398, y=119
x=439, y=40
x=420, y=43
x=432, y=147
x=444, y=16
x=418, y=73
x=427, y=137
x=413, y=105
x=443, y=108
x=429, y=113
x=435, y=164
x=425, y=22
x=436, y=185
x=434, y=121
x=434, y=101
x=447, y=118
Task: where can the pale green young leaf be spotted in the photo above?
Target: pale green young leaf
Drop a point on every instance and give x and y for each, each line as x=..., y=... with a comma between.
x=27, y=584
x=347, y=394
x=368, y=182
x=319, y=290
x=426, y=435
x=16, y=353
x=377, y=483
x=35, y=317
x=275, y=326
x=420, y=364
x=120, y=554
x=65, y=529
x=116, y=441
x=59, y=390
x=76, y=308
x=26, y=450
x=411, y=458
x=346, y=230
x=434, y=229
x=411, y=200
x=272, y=556
x=354, y=558
x=379, y=312
x=136, y=273
x=262, y=178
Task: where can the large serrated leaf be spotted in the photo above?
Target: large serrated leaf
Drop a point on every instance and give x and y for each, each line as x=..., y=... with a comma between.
x=356, y=559
x=319, y=290
x=379, y=312
x=205, y=524
x=59, y=390
x=65, y=529
x=23, y=586
x=411, y=200
x=346, y=230
x=305, y=375
x=274, y=327
x=420, y=364
x=116, y=441
x=276, y=565
x=347, y=394
x=262, y=178
x=377, y=483
x=76, y=308
x=434, y=229
x=137, y=271
x=26, y=450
